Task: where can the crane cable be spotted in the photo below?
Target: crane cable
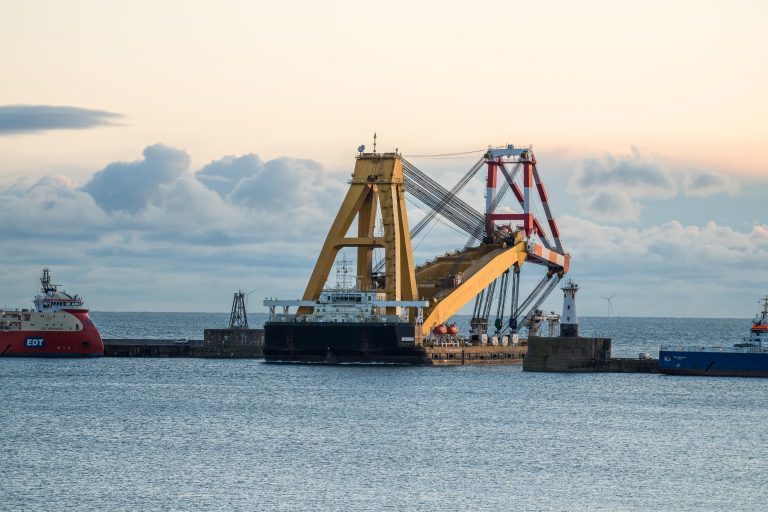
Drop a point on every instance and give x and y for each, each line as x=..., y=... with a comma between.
x=446, y=154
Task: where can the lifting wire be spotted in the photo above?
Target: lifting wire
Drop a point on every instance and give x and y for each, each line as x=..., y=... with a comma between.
x=551, y=286
x=447, y=154
x=449, y=225
x=489, y=301
x=455, y=190
x=482, y=309
x=534, y=300
x=515, y=296
x=478, y=301
x=542, y=284
x=458, y=219
x=426, y=235
x=436, y=197
x=379, y=266
x=501, y=300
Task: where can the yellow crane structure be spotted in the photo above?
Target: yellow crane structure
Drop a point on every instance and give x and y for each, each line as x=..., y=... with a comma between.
x=378, y=188
x=377, y=180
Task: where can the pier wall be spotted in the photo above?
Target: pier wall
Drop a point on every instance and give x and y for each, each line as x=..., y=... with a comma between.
x=233, y=337
x=578, y=354
x=217, y=343
x=564, y=354
x=483, y=354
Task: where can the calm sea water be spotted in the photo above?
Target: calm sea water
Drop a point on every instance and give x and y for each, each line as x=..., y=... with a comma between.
x=193, y=434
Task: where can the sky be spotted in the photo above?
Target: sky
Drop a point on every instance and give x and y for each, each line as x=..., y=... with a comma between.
x=161, y=155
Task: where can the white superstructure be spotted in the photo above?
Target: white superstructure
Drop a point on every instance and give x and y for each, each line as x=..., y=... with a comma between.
x=347, y=305
x=51, y=299
x=758, y=334
x=569, y=303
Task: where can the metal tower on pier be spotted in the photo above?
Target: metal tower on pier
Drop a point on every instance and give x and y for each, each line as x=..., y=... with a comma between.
x=238, y=319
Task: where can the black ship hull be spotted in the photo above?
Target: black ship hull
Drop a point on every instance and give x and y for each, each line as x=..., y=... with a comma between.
x=341, y=342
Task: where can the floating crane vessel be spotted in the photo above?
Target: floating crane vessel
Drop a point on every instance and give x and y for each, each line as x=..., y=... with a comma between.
x=393, y=311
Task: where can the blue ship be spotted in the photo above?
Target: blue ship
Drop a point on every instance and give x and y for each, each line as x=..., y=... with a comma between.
x=746, y=359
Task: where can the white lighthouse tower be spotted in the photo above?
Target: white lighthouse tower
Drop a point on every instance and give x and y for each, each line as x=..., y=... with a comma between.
x=569, y=326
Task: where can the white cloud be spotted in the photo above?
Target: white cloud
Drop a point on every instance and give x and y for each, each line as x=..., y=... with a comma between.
x=49, y=208
x=155, y=216
x=669, y=269
x=615, y=206
x=130, y=186
x=186, y=240
x=703, y=183
x=635, y=174
x=681, y=249
x=614, y=188
x=16, y=119
x=225, y=174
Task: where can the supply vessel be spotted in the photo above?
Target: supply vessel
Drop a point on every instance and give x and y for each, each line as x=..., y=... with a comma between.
x=58, y=326
x=746, y=359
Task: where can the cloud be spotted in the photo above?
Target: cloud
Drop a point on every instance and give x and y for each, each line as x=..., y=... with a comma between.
x=617, y=205
x=153, y=234
x=614, y=188
x=16, y=119
x=293, y=187
x=156, y=217
x=225, y=174
x=703, y=183
x=609, y=187
x=673, y=249
x=160, y=198
x=634, y=174
x=51, y=209
x=131, y=186
x=670, y=269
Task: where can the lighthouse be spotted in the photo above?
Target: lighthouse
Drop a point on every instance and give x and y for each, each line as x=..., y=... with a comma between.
x=569, y=326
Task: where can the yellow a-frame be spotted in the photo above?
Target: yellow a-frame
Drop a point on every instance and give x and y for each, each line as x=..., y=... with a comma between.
x=377, y=179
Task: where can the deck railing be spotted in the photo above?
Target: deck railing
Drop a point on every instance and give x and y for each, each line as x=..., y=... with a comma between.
x=751, y=350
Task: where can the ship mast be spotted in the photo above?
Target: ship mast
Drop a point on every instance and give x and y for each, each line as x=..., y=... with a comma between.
x=764, y=317
x=45, y=281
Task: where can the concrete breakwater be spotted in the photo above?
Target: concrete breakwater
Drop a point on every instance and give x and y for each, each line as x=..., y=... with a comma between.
x=538, y=354
x=577, y=354
x=216, y=343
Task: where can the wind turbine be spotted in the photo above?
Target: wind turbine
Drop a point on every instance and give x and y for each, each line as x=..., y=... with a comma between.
x=248, y=295
x=610, y=304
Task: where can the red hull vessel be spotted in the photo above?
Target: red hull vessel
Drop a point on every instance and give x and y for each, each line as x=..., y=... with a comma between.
x=58, y=326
